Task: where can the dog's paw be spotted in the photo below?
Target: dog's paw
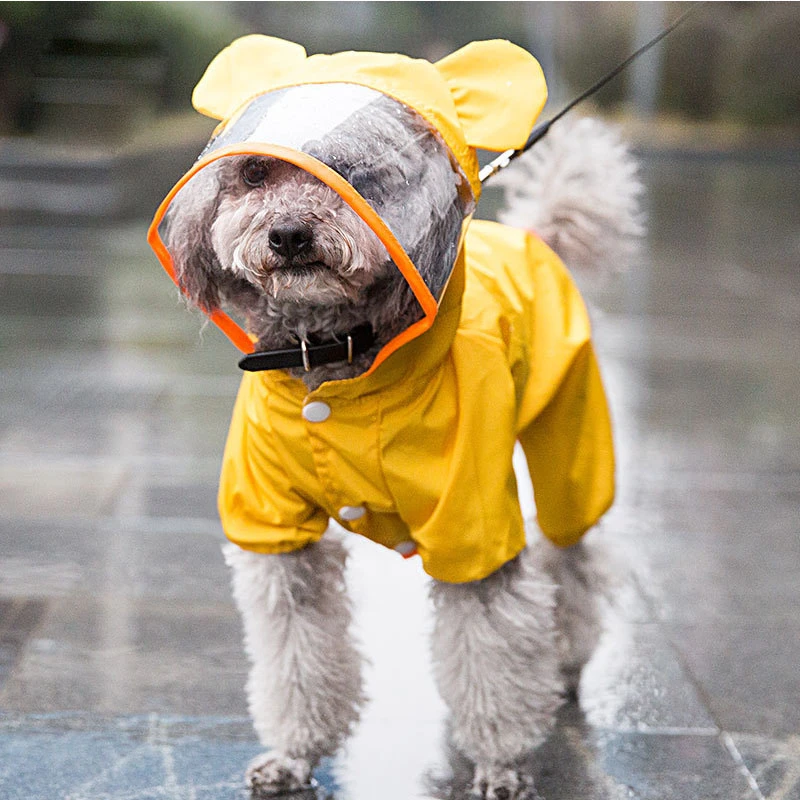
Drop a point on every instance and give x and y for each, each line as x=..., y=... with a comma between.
x=502, y=783
x=273, y=774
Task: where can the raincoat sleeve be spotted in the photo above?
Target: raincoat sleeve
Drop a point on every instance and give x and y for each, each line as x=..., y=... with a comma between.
x=563, y=423
x=260, y=506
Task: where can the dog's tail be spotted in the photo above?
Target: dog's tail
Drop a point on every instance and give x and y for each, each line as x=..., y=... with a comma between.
x=578, y=189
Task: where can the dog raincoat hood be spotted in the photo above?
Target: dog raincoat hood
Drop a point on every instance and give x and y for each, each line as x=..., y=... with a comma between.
x=395, y=137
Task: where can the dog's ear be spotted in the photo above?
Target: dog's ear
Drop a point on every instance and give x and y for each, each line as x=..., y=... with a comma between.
x=188, y=240
x=498, y=89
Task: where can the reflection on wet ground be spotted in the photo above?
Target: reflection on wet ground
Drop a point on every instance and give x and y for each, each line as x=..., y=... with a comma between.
x=121, y=669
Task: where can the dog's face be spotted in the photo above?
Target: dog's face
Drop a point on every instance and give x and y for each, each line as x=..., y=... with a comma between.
x=289, y=235
x=287, y=252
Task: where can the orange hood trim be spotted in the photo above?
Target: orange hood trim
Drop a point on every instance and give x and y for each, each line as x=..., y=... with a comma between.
x=237, y=335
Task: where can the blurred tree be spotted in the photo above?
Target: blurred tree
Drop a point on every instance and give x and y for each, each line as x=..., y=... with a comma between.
x=767, y=76
x=731, y=60
x=65, y=58
x=692, y=64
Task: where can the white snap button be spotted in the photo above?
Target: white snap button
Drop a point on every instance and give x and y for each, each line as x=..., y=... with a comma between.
x=316, y=411
x=350, y=513
x=405, y=548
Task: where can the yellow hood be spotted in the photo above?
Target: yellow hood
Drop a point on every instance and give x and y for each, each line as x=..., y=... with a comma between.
x=485, y=95
x=275, y=101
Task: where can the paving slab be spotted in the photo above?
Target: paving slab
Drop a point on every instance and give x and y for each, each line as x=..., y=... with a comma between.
x=748, y=671
x=121, y=666
x=773, y=764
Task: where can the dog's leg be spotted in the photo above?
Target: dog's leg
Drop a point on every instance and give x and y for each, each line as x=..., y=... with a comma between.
x=497, y=666
x=304, y=689
x=583, y=584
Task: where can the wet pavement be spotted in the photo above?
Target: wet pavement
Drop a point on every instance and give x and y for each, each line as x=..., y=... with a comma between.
x=121, y=668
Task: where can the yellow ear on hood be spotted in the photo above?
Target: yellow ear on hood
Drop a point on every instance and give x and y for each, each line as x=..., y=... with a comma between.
x=499, y=90
x=485, y=95
x=242, y=70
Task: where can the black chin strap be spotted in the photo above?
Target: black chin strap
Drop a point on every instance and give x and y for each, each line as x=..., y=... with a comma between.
x=343, y=348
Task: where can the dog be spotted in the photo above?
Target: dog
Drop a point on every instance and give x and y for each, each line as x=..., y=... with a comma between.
x=295, y=260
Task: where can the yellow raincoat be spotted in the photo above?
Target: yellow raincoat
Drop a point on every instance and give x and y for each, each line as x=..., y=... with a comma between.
x=416, y=454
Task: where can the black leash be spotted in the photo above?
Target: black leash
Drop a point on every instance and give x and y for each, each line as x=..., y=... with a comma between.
x=540, y=131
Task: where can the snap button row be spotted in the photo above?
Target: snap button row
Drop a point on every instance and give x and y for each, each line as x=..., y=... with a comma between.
x=316, y=411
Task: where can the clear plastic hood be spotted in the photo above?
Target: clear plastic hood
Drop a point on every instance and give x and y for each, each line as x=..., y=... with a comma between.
x=379, y=155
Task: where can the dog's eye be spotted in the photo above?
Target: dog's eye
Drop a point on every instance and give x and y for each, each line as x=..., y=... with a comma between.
x=254, y=172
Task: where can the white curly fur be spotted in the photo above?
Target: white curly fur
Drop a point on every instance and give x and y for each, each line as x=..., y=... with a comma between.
x=501, y=649
x=496, y=659
x=578, y=189
x=304, y=689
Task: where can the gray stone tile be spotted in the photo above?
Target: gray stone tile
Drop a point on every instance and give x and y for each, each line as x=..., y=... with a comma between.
x=85, y=758
x=111, y=653
x=178, y=560
x=579, y=764
x=703, y=414
x=730, y=509
x=747, y=672
x=42, y=489
x=190, y=426
x=53, y=295
x=118, y=421
x=684, y=767
x=128, y=348
x=722, y=587
x=88, y=757
x=635, y=682
x=705, y=554
x=773, y=764
x=165, y=494
x=105, y=433
x=39, y=414
x=83, y=239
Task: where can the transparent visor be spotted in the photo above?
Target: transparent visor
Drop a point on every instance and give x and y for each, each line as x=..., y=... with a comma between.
x=385, y=161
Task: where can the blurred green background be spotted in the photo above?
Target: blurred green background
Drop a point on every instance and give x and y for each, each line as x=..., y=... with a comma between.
x=84, y=83
x=104, y=69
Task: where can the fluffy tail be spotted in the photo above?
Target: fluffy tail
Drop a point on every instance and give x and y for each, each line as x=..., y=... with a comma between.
x=578, y=189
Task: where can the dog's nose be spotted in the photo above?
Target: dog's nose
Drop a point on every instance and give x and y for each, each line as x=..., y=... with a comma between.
x=290, y=238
